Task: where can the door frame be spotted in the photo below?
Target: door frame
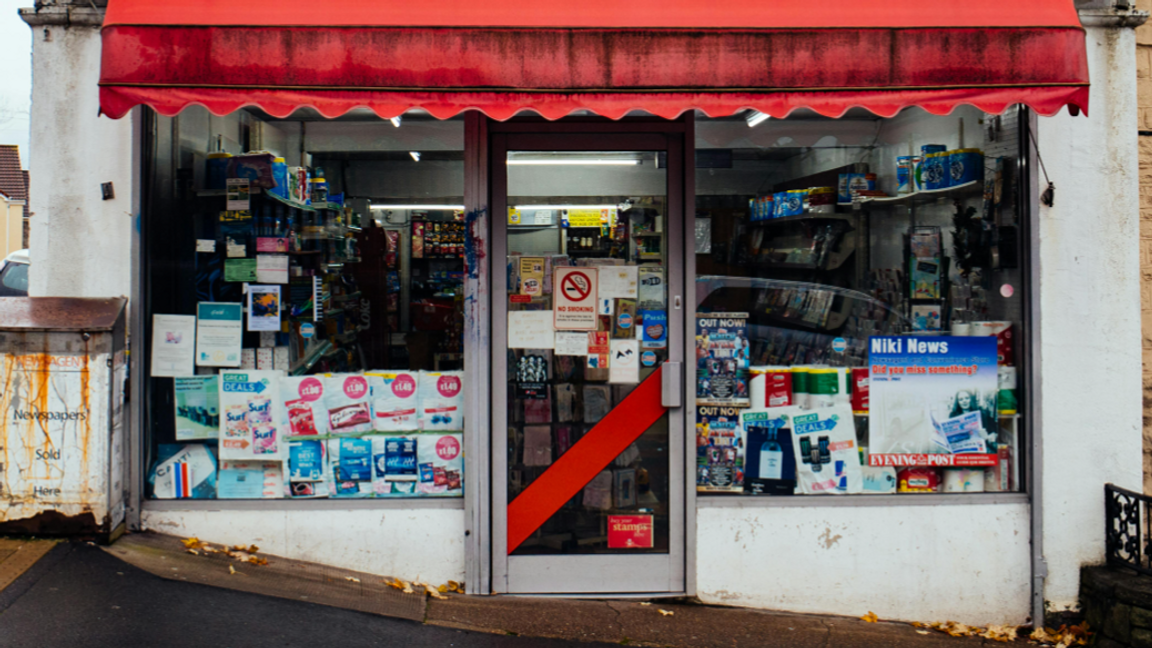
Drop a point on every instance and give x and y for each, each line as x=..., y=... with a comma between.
x=486, y=560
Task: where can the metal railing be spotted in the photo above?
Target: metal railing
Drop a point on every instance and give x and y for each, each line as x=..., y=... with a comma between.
x=1127, y=532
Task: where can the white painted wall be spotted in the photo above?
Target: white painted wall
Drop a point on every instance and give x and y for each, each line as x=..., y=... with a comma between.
x=81, y=246
x=422, y=544
x=1089, y=314
x=963, y=562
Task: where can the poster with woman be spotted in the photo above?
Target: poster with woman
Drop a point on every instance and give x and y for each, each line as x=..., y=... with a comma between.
x=933, y=401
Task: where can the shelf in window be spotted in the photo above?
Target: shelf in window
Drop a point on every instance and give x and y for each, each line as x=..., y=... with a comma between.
x=802, y=218
x=648, y=234
x=289, y=203
x=927, y=195
x=304, y=252
x=307, y=361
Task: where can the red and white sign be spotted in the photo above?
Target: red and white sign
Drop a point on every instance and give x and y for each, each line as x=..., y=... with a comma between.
x=575, y=295
x=958, y=460
x=630, y=532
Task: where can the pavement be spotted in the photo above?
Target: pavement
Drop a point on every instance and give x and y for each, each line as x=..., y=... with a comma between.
x=147, y=590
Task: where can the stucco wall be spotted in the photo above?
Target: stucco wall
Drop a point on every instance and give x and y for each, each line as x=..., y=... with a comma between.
x=81, y=245
x=423, y=544
x=962, y=562
x=1089, y=387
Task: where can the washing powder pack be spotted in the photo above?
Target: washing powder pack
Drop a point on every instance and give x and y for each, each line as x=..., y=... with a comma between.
x=253, y=422
x=303, y=399
x=824, y=444
x=348, y=400
x=441, y=400
x=394, y=401
x=440, y=464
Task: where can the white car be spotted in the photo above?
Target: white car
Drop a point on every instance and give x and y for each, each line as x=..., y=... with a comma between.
x=14, y=274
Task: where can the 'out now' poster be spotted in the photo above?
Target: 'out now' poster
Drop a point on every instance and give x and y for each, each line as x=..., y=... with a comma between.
x=933, y=401
x=722, y=359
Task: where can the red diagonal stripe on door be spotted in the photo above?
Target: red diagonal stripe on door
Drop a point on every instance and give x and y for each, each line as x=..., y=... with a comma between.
x=574, y=469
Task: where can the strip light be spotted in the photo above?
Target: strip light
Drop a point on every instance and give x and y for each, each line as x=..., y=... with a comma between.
x=395, y=121
x=415, y=155
x=544, y=207
x=428, y=207
x=755, y=118
x=573, y=162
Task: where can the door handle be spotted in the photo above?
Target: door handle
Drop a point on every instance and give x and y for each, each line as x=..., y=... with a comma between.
x=672, y=384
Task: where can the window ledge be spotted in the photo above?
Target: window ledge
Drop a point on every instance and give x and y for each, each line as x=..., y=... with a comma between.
x=414, y=503
x=829, y=501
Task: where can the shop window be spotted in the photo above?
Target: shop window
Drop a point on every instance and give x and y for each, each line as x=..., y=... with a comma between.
x=860, y=303
x=304, y=286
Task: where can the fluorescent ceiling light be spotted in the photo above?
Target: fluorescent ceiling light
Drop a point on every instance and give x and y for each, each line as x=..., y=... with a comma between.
x=573, y=162
x=395, y=121
x=755, y=118
x=428, y=207
x=539, y=207
x=415, y=155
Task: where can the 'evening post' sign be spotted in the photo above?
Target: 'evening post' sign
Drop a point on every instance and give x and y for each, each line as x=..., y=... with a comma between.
x=933, y=401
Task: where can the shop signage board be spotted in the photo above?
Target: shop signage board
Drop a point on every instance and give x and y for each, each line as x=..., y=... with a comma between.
x=576, y=299
x=933, y=401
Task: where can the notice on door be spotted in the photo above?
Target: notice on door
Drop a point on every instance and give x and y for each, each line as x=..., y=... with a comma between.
x=575, y=295
x=629, y=531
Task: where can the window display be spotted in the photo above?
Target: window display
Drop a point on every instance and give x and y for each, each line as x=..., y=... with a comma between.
x=859, y=293
x=324, y=278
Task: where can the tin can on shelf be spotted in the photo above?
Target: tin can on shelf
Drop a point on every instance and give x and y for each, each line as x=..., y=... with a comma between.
x=906, y=166
x=934, y=171
x=965, y=165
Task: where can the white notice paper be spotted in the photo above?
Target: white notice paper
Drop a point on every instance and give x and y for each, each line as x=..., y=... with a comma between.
x=205, y=245
x=219, y=334
x=571, y=344
x=624, y=362
x=618, y=282
x=272, y=268
x=531, y=330
x=174, y=345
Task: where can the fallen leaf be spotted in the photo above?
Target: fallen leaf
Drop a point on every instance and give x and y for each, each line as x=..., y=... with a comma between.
x=1002, y=633
x=257, y=561
x=252, y=549
x=431, y=591
x=665, y=612
x=231, y=569
x=239, y=548
x=191, y=543
x=350, y=578
x=924, y=632
x=192, y=551
x=443, y=589
x=645, y=603
x=870, y=617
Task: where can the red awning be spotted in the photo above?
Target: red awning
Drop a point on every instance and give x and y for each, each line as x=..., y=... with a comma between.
x=606, y=56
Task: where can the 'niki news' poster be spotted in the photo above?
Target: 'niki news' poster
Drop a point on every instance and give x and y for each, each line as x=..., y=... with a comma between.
x=722, y=359
x=933, y=401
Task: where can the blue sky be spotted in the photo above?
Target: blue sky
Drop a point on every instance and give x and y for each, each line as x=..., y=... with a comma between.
x=16, y=86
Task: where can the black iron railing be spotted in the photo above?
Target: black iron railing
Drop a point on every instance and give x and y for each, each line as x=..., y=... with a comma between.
x=1127, y=535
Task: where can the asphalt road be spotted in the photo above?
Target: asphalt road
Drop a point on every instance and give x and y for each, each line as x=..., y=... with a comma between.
x=78, y=595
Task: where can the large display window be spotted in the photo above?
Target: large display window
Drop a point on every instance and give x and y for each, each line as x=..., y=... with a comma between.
x=304, y=284
x=860, y=297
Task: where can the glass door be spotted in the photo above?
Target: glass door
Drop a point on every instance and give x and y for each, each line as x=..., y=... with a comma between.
x=588, y=435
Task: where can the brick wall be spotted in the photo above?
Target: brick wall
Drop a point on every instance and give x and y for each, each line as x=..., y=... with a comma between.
x=1144, y=96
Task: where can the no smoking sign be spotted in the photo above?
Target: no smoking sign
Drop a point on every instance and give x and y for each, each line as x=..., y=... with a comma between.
x=575, y=293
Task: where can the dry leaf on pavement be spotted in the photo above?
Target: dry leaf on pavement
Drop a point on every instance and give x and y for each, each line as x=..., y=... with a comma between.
x=350, y=578
x=870, y=617
x=666, y=613
x=232, y=570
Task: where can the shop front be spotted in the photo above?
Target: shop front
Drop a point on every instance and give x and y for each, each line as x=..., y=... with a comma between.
x=743, y=303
